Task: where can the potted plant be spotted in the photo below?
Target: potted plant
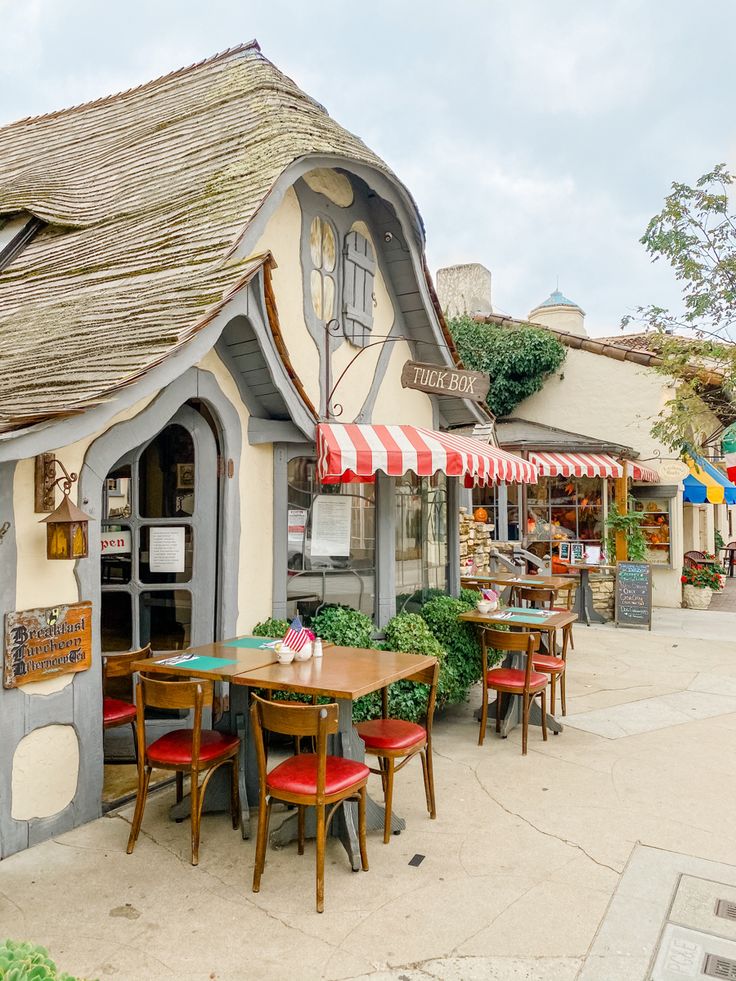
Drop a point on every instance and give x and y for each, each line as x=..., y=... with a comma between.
x=698, y=583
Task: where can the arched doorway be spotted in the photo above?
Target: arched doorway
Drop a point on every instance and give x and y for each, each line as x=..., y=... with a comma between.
x=159, y=532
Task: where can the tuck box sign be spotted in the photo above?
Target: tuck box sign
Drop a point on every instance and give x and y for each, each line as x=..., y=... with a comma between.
x=44, y=643
x=445, y=381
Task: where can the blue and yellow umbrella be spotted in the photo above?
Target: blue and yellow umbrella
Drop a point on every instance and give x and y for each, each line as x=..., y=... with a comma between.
x=706, y=484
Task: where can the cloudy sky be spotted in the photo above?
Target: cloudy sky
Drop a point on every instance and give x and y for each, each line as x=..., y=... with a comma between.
x=538, y=136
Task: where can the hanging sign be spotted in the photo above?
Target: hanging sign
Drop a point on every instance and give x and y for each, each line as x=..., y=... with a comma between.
x=634, y=594
x=331, y=518
x=166, y=549
x=437, y=380
x=672, y=471
x=115, y=542
x=44, y=643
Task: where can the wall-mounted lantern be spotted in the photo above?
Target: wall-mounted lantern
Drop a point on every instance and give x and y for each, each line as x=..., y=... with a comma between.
x=66, y=527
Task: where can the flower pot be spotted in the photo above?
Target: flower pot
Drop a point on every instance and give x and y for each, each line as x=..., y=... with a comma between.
x=695, y=598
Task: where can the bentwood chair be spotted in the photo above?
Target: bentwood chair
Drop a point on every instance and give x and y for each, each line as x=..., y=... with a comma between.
x=549, y=663
x=393, y=740
x=117, y=711
x=729, y=558
x=693, y=558
x=305, y=779
x=527, y=684
x=186, y=751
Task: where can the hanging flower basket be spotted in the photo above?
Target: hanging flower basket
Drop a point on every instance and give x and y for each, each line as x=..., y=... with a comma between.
x=696, y=597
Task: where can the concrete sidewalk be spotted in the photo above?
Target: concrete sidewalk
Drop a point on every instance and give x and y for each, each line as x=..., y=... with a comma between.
x=519, y=868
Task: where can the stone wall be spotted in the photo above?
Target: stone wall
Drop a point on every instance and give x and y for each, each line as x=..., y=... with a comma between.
x=475, y=544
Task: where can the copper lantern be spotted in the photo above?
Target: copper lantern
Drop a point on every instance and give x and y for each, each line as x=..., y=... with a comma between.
x=66, y=532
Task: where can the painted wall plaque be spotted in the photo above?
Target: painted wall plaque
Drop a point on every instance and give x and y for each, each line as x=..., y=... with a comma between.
x=44, y=643
x=445, y=381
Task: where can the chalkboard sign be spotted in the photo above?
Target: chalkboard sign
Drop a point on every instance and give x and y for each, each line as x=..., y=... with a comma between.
x=634, y=594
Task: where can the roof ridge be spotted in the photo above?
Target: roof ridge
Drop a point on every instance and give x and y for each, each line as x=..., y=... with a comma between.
x=252, y=45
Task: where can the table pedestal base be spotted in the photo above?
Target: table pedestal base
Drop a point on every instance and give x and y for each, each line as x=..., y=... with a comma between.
x=584, y=608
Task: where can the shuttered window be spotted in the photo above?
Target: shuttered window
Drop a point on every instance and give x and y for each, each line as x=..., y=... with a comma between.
x=359, y=268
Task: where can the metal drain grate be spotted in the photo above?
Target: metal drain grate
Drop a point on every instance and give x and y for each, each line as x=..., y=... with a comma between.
x=719, y=967
x=726, y=909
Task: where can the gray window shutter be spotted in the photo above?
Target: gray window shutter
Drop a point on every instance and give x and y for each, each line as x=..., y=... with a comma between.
x=359, y=269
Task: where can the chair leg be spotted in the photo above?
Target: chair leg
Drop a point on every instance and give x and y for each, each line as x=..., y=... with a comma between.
x=498, y=711
x=430, y=782
x=483, y=717
x=320, y=808
x=361, y=829
x=544, y=716
x=135, y=741
x=524, y=725
x=144, y=775
x=300, y=829
x=179, y=786
x=553, y=691
x=563, y=697
x=425, y=777
x=388, y=799
x=264, y=812
x=197, y=799
x=382, y=768
x=235, y=793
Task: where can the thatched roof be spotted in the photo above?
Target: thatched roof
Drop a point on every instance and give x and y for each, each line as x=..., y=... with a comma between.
x=146, y=195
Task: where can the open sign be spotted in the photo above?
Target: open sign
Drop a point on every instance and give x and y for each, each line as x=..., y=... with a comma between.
x=115, y=542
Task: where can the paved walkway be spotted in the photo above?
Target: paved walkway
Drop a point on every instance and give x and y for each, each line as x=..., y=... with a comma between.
x=537, y=868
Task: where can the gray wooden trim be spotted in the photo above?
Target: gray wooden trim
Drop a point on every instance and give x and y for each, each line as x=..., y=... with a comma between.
x=280, y=530
x=385, y=548
x=453, y=535
x=502, y=510
x=273, y=431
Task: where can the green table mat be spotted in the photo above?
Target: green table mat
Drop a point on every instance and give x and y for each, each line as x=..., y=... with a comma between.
x=542, y=614
x=201, y=663
x=254, y=643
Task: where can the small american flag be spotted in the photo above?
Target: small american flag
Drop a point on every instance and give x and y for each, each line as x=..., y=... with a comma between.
x=296, y=636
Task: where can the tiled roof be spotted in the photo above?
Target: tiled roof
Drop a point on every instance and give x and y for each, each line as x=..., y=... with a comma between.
x=146, y=194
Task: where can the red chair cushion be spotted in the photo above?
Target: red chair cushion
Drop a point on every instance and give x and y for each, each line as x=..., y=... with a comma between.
x=115, y=712
x=175, y=748
x=547, y=662
x=390, y=733
x=298, y=775
x=514, y=678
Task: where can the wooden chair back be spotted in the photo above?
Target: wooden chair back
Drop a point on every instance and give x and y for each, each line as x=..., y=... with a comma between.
x=294, y=719
x=171, y=694
x=425, y=676
x=526, y=642
x=568, y=590
x=545, y=597
x=120, y=665
x=692, y=558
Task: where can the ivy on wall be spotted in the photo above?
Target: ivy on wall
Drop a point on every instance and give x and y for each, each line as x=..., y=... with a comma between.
x=518, y=359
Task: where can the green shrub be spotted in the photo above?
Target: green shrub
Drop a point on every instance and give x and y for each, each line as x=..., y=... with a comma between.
x=470, y=596
x=459, y=640
x=271, y=628
x=27, y=962
x=343, y=626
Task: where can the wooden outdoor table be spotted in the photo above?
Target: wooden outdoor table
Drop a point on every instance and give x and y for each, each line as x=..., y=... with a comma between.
x=523, y=619
x=343, y=673
x=510, y=579
x=584, y=601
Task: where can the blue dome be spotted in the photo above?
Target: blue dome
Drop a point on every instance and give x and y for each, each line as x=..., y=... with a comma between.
x=557, y=299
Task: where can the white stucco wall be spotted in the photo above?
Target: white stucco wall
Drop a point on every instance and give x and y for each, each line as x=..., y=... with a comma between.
x=45, y=769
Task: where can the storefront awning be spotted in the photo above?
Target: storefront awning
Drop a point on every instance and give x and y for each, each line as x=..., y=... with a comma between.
x=588, y=465
x=706, y=484
x=354, y=453
x=576, y=465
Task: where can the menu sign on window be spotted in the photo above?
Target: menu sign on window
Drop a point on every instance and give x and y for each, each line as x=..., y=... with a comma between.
x=634, y=594
x=331, y=517
x=44, y=643
x=166, y=549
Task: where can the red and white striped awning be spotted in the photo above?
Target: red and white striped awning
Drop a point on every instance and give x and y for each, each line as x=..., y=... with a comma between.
x=588, y=465
x=354, y=453
x=576, y=465
x=645, y=474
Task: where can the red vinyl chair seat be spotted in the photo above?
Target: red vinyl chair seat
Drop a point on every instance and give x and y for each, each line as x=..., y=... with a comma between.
x=175, y=748
x=395, y=734
x=548, y=662
x=116, y=712
x=514, y=678
x=298, y=775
